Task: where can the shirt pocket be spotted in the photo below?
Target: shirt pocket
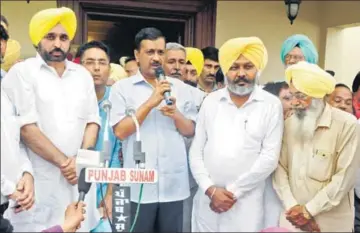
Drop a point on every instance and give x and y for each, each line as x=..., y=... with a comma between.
x=320, y=165
x=254, y=133
x=78, y=110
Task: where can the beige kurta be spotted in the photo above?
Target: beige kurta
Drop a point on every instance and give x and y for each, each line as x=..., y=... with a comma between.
x=322, y=175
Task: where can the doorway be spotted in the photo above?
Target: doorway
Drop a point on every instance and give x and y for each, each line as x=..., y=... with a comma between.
x=198, y=17
x=119, y=32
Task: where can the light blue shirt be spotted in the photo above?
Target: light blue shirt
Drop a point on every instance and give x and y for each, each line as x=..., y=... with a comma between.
x=114, y=142
x=162, y=143
x=3, y=73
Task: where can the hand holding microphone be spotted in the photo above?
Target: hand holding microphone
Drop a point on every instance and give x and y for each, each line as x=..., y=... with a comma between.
x=162, y=90
x=170, y=110
x=74, y=215
x=157, y=96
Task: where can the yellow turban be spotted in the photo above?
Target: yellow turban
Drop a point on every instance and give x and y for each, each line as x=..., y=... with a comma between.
x=117, y=72
x=196, y=57
x=310, y=79
x=43, y=21
x=12, y=54
x=252, y=48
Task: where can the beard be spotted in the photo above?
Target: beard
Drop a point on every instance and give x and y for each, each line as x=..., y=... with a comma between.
x=49, y=57
x=303, y=125
x=236, y=89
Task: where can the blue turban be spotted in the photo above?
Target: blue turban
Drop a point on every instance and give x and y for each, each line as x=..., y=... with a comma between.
x=304, y=43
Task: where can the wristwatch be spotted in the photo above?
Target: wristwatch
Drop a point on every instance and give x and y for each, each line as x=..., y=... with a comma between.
x=306, y=213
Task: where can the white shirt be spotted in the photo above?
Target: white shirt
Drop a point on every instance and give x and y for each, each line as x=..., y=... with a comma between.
x=238, y=149
x=10, y=166
x=198, y=96
x=61, y=108
x=14, y=159
x=162, y=143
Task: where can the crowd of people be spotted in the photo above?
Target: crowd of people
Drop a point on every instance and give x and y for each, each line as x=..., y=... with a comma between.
x=231, y=155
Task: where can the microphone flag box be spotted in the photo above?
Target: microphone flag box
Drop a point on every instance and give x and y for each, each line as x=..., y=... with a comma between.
x=121, y=208
x=121, y=175
x=87, y=158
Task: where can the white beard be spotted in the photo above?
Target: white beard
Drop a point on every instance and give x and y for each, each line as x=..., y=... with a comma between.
x=303, y=125
x=242, y=90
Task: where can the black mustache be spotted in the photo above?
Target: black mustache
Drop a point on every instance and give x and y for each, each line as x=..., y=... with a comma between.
x=176, y=73
x=57, y=50
x=156, y=64
x=241, y=79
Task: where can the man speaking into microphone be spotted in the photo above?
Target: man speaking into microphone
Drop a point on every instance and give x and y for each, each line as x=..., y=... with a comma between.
x=163, y=126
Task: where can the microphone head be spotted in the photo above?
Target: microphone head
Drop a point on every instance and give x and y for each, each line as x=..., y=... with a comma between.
x=159, y=71
x=130, y=111
x=83, y=186
x=106, y=105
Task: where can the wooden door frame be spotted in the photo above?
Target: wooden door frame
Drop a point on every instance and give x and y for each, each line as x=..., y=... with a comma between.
x=199, y=16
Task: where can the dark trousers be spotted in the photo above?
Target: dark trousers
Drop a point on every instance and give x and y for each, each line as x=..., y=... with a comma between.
x=158, y=217
x=5, y=225
x=357, y=214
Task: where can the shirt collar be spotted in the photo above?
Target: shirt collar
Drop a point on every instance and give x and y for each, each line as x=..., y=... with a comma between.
x=70, y=66
x=325, y=117
x=138, y=78
x=256, y=95
x=214, y=88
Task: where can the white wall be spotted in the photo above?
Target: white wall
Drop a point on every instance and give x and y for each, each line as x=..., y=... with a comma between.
x=268, y=21
x=343, y=53
x=19, y=14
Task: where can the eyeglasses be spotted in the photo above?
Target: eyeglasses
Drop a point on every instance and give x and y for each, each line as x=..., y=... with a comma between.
x=294, y=57
x=298, y=96
x=94, y=62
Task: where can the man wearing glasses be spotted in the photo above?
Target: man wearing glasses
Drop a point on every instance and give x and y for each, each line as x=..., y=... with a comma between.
x=95, y=57
x=318, y=161
x=298, y=48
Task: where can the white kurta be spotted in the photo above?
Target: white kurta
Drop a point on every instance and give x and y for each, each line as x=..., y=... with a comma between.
x=235, y=148
x=61, y=107
x=12, y=162
x=14, y=158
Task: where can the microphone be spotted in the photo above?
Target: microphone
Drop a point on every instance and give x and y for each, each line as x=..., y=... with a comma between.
x=159, y=72
x=130, y=111
x=139, y=156
x=106, y=106
x=86, y=158
x=83, y=186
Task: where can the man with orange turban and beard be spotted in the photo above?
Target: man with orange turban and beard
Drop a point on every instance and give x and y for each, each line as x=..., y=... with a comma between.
x=319, y=157
x=237, y=143
x=56, y=107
